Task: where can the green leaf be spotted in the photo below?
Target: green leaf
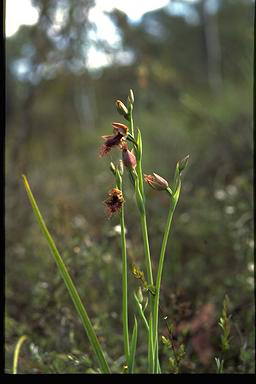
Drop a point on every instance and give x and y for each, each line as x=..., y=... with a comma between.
x=17, y=352
x=69, y=283
x=133, y=346
x=141, y=311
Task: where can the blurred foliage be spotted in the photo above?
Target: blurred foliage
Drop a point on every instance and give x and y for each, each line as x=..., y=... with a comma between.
x=192, y=80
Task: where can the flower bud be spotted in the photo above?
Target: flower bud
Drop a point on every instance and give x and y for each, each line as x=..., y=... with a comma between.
x=129, y=158
x=183, y=163
x=121, y=108
x=130, y=97
x=156, y=182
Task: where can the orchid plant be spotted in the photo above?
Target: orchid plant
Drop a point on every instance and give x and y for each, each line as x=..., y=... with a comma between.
x=129, y=142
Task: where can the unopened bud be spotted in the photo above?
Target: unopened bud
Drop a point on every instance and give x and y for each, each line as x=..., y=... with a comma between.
x=183, y=163
x=129, y=158
x=156, y=182
x=131, y=97
x=121, y=108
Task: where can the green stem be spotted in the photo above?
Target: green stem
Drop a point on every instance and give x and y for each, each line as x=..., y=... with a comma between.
x=140, y=175
x=131, y=122
x=140, y=198
x=143, y=221
x=151, y=364
x=124, y=276
x=174, y=200
x=124, y=287
x=69, y=284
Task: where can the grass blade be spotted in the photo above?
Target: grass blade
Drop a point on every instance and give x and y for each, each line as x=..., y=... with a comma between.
x=69, y=284
x=16, y=353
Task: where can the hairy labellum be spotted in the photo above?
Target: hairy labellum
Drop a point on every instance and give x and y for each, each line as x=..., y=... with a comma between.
x=114, y=201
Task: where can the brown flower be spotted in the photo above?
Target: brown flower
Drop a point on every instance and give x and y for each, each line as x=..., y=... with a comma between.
x=120, y=133
x=120, y=128
x=156, y=182
x=114, y=202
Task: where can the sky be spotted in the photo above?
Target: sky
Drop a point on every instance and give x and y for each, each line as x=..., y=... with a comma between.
x=21, y=12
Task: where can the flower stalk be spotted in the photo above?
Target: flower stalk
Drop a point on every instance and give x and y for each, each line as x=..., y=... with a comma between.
x=124, y=275
x=140, y=199
x=173, y=203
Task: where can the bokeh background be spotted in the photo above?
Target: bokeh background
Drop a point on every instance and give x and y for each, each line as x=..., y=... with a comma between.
x=190, y=65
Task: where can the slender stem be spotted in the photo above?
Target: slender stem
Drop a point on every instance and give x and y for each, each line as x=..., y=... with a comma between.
x=140, y=197
x=144, y=229
x=150, y=346
x=131, y=122
x=160, y=269
x=119, y=182
x=150, y=280
x=124, y=289
x=140, y=175
x=143, y=220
